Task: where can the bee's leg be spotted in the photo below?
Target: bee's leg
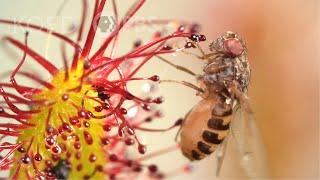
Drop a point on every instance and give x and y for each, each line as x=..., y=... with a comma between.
x=220, y=156
x=181, y=68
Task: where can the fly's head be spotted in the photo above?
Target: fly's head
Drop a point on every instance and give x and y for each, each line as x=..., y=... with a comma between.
x=229, y=44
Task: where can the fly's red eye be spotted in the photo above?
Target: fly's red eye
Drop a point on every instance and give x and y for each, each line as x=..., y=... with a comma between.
x=233, y=46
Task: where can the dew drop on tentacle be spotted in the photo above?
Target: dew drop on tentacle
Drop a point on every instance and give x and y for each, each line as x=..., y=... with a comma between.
x=92, y=158
x=155, y=78
x=142, y=149
x=79, y=167
x=159, y=100
x=38, y=157
x=88, y=137
x=21, y=149
x=77, y=145
x=181, y=28
x=65, y=97
x=129, y=141
x=105, y=141
x=26, y=159
x=113, y=157
x=1, y=110
x=194, y=38
x=167, y=47
x=74, y=121
x=107, y=127
x=123, y=111
x=189, y=45
x=137, y=43
x=152, y=168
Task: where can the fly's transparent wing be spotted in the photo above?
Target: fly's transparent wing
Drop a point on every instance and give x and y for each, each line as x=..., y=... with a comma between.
x=221, y=152
x=249, y=143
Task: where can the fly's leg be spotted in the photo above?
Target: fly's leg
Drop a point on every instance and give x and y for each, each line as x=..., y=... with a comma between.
x=181, y=68
x=179, y=131
x=200, y=91
x=203, y=56
x=242, y=97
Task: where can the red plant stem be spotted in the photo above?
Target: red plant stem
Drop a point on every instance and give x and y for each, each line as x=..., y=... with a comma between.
x=42, y=29
x=21, y=100
x=153, y=53
x=28, y=149
x=35, y=166
x=65, y=62
x=22, y=88
x=12, y=126
x=12, y=79
x=115, y=12
x=15, y=175
x=131, y=55
x=83, y=19
x=48, y=117
x=35, y=78
x=129, y=15
x=7, y=146
x=6, y=165
x=94, y=99
x=93, y=29
x=158, y=22
x=27, y=173
x=14, y=108
x=135, y=54
x=10, y=133
x=17, y=118
x=151, y=44
x=129, y=79
x=37, y=57
x=144, y=61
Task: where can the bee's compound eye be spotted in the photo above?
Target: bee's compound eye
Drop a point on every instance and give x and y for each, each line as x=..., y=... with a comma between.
x=233, y=46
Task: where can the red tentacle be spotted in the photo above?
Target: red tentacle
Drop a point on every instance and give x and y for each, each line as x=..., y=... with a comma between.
x=9, y=133
x=12, y=107
x=93, y=28
x=65, y=61
x=41, y=60
x=36, y=79
x=42, y=29
x=129, y=15
x=20, y=87
x=83, y=19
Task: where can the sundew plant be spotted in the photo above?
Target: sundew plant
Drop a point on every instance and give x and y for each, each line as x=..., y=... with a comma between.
x=76, y=125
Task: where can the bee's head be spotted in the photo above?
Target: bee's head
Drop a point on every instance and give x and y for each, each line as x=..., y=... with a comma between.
x=229, y=44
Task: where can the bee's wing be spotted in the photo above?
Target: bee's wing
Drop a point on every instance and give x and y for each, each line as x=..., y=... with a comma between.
x=248, y=142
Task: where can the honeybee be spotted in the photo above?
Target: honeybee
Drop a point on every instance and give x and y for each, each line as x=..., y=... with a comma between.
x=224, y=108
